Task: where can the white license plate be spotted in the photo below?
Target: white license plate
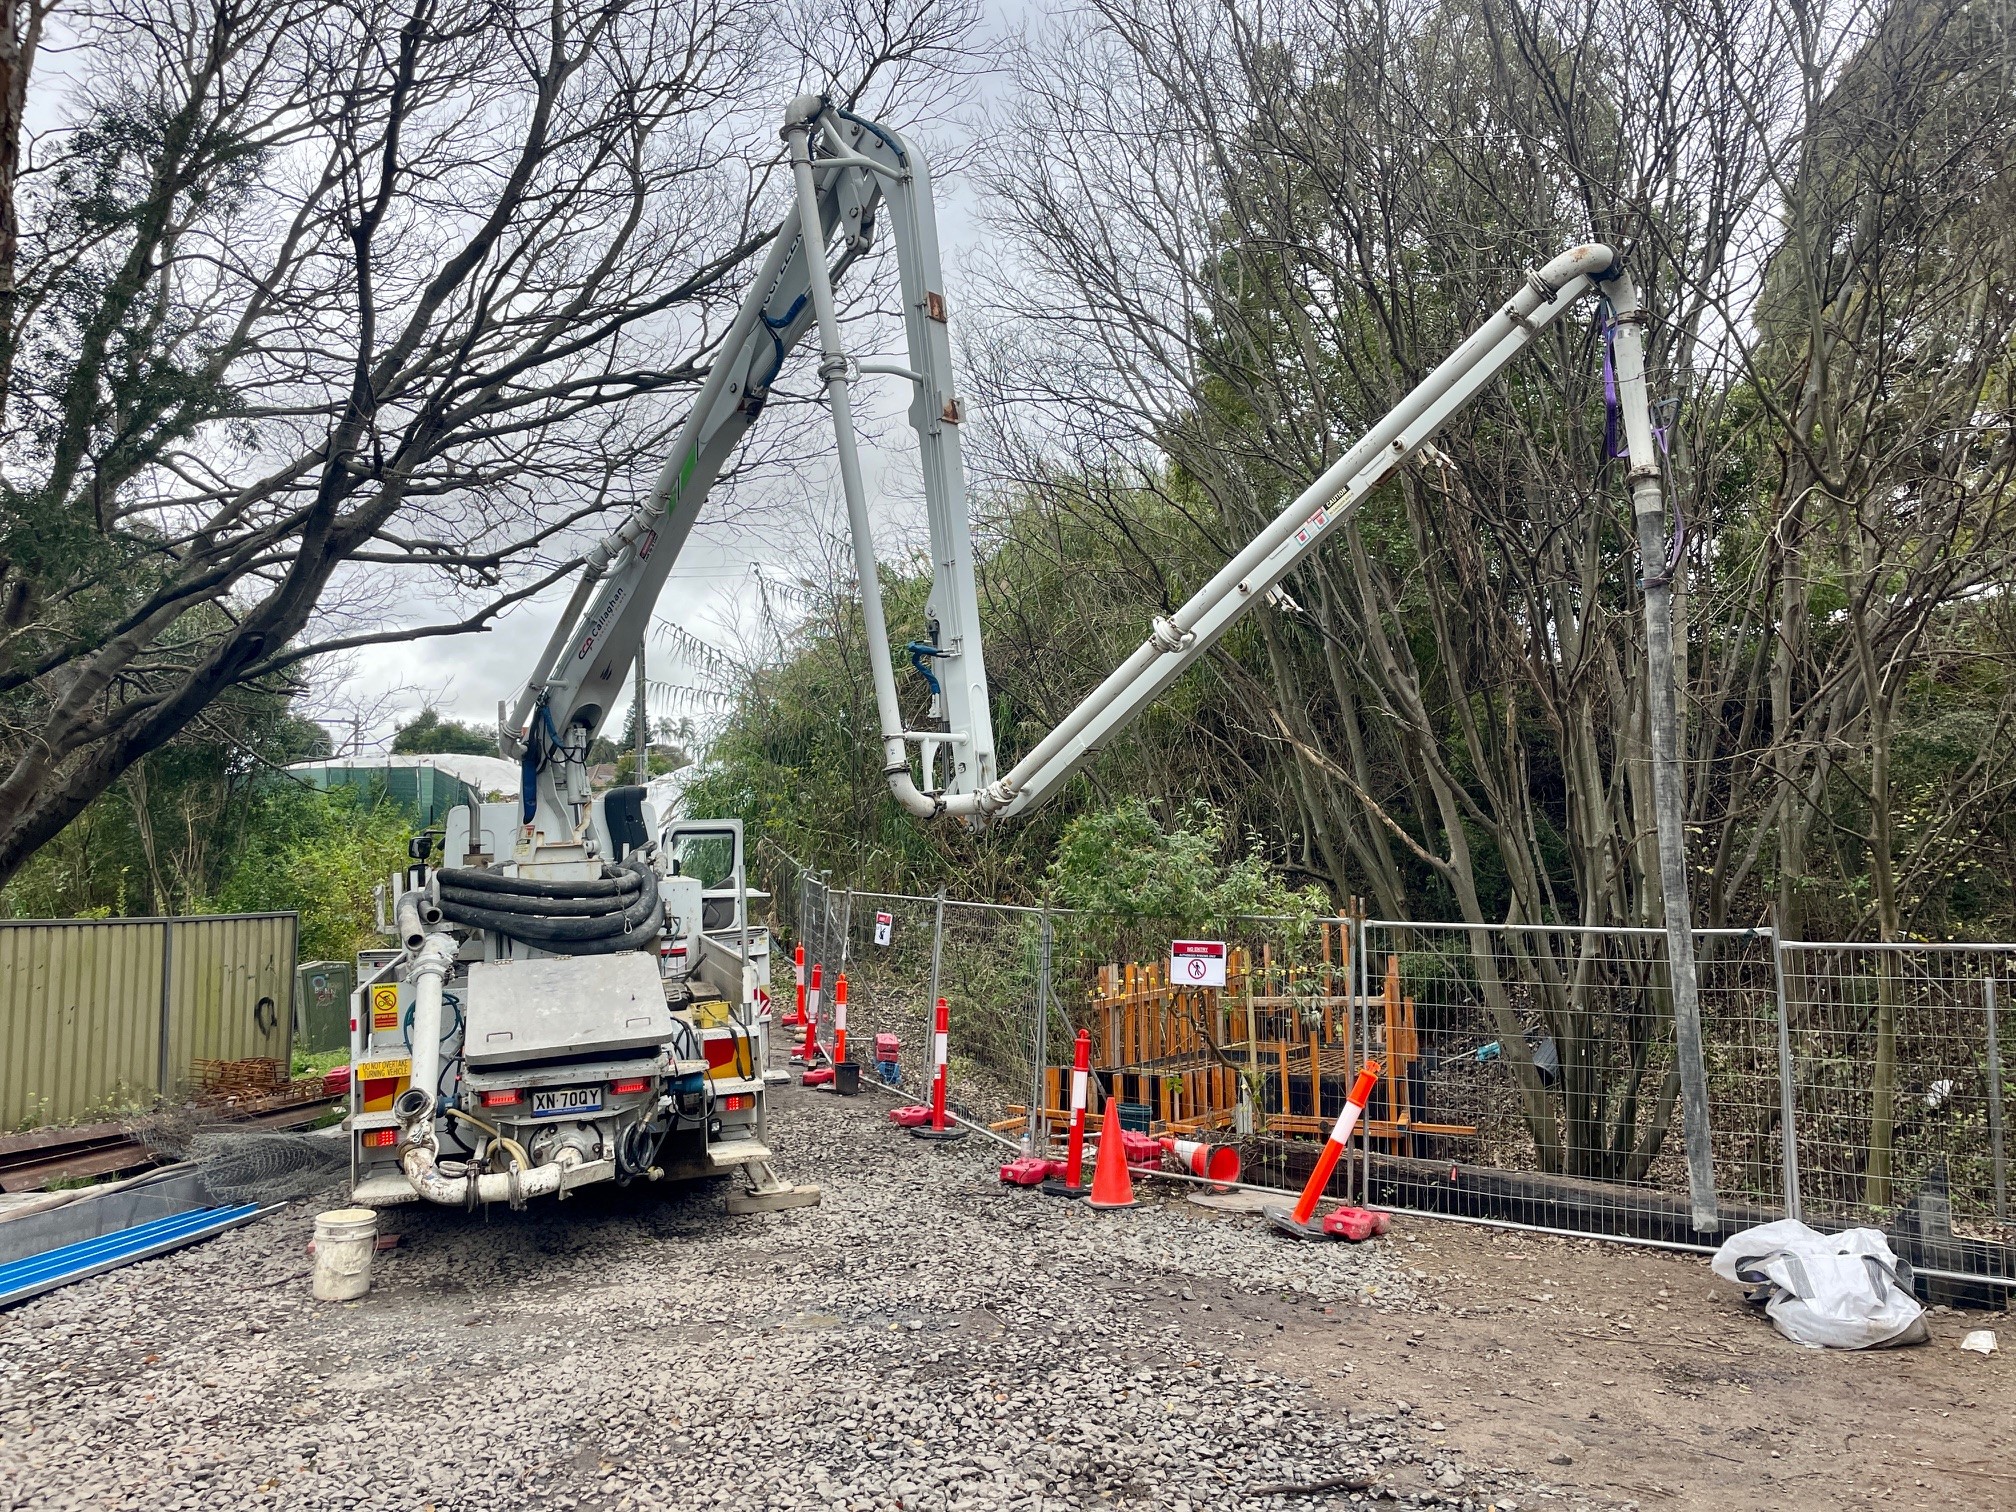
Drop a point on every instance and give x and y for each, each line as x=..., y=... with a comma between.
x=563, y=1100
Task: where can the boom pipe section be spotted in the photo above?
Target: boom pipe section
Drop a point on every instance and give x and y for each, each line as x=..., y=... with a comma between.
x=1177, y=642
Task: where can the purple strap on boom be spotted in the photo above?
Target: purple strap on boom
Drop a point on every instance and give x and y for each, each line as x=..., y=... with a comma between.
x=1613, y=445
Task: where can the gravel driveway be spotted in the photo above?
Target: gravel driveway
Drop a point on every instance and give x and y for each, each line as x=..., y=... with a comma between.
x=924, y=1339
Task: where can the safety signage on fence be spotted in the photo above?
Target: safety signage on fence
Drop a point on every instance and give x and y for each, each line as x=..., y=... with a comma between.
x=884, y=923
x=1197, y=963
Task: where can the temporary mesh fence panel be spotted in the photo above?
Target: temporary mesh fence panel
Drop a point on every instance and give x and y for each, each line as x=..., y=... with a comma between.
x=889, y=988
x=1528, y=1074
x=989, y=974
x=1897, y=1077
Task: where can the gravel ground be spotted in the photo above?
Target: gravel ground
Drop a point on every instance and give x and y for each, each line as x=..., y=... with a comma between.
x=923, y=1339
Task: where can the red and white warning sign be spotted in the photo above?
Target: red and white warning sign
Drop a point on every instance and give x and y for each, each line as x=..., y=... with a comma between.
x=884, y=925
x=1197, y=963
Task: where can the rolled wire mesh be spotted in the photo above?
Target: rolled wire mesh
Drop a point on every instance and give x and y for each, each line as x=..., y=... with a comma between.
x=265, y=1165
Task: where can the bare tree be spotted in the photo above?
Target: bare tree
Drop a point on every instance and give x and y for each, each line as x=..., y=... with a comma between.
x=325, y=307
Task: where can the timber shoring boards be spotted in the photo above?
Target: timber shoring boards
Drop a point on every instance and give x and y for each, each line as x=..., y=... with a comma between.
x=1184, y=1053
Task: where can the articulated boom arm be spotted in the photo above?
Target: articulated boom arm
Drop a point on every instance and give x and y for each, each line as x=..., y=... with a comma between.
x=848, y=173
x=1177, y=642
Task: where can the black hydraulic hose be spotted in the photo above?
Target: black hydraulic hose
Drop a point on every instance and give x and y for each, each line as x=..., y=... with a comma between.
x=543, y=908
x=643, y=935
x=619, y=881
x=534, y=930
x=539, y=928
x=559, y=925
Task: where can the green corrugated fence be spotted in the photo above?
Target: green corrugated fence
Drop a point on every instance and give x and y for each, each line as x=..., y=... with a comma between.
x=97, y=1014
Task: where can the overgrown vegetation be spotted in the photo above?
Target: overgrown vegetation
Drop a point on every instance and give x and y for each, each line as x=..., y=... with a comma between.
x=310, y=310
x=1139, y=884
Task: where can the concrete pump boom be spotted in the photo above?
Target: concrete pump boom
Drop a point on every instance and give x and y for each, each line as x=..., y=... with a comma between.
x=844, y=169
x=864, y=173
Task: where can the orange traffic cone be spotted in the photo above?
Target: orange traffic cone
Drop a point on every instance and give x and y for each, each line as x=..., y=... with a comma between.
x=1112, y=1186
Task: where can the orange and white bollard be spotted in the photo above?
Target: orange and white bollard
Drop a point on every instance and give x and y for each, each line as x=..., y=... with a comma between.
x=797, y=1019
x=808, y=1053
x=1301, y=1223
x=1073, y=1182
x=840, y=1019
x=939, y=1126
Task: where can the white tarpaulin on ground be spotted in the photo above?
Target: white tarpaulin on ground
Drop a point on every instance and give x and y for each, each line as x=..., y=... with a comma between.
x=1826, y=1291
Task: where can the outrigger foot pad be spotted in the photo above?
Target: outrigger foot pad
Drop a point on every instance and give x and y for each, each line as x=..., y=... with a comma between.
x=1284, y=1220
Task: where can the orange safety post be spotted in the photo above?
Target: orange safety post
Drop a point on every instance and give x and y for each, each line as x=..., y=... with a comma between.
x=1299, y=1223
x=840, y=1019
x=938, y=1127
x=1073, y=1182
x=797, y=1019
x=808, y=1052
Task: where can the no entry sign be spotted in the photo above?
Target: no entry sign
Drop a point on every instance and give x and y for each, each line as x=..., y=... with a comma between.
x=1197, y=963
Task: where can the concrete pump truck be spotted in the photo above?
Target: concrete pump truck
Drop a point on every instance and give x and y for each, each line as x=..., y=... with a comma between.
x=568, y=1002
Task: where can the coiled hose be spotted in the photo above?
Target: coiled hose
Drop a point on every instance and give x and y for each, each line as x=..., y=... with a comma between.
x=615, y=912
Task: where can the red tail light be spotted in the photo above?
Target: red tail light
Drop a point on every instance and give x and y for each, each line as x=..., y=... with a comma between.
x=736, y=1103
x=634, y=1084
x=380, y=1139
x=503, y=1099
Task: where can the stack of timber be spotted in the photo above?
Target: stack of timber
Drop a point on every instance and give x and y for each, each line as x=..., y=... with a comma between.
x=1182, y=1057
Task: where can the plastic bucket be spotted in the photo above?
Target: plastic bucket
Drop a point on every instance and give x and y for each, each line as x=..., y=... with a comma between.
x=344, y=1240
x=847, y=1078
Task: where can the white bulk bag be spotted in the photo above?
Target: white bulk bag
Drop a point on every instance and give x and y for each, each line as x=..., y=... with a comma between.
x=1826, y=1291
